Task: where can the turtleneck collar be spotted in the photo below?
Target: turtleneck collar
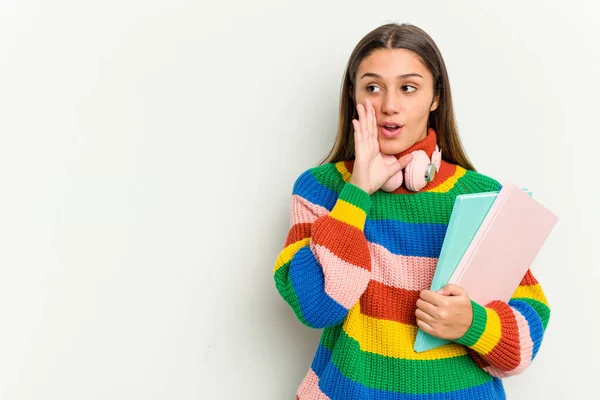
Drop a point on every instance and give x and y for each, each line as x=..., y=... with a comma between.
x=428, y=146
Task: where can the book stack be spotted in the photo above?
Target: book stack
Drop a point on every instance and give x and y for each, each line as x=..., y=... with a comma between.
x=491, y=241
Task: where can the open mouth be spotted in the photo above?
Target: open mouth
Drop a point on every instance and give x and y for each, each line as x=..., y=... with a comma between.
x=390, y=130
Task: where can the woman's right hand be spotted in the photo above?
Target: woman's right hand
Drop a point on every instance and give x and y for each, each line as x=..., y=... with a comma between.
x=370, y=171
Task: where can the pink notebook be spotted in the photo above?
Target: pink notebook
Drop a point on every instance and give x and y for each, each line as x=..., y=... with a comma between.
x=508, y=240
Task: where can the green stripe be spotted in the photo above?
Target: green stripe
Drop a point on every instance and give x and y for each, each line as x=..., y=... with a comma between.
x=409, y=208
x=328, y=176
x=356, y=196
x=330, y=336
x=389, y=206
x=285, y=288
x=477, y=326
x=474, y=182
x=401, y=375
x=540, y=308
x=404, y=207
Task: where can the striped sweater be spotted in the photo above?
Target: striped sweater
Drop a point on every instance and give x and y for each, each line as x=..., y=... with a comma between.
x=355, y=264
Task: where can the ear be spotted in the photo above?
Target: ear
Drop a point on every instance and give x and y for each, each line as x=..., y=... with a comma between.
x=435, y=103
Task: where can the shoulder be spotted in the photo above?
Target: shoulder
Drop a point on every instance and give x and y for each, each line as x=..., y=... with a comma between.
x=476, y=182
x=322, y=184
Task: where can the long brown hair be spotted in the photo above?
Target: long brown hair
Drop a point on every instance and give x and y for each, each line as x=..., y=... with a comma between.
x=409, y=37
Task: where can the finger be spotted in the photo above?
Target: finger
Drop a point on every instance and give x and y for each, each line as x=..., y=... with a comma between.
x=432, y=297
x=369, y=108
x=426, y=308
x=453, y=290
x=405, y=160
x=360, y=110
x=362, y=117
x=363, y=121
x=375, y=128
x=424, y=326
x=393, y=168
x=443, y=291
x=357, y=133
x=400, y=164
x=424, y=317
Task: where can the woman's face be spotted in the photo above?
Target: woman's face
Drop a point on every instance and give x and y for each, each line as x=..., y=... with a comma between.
x=401, y=90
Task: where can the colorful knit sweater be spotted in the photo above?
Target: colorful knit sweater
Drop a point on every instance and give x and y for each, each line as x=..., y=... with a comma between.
x=355, y=264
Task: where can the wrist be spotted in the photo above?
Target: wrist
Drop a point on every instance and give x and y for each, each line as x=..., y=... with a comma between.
x=352, y=206
x=359, y=186
x=477, y=326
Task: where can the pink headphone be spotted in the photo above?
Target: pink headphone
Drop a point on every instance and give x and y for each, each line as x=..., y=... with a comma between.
x=420, y=171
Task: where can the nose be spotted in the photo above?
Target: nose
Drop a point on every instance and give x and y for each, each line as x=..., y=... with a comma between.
x=390, y=104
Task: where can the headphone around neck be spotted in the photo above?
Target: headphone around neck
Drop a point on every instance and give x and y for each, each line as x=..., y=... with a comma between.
x=420, y=171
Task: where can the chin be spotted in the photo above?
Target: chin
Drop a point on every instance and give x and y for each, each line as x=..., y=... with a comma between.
x=392, y=148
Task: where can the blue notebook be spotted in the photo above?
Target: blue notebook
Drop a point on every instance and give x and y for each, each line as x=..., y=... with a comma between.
x=467, y=215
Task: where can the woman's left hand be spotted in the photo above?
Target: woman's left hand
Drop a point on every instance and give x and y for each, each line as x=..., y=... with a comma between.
x=445, y=314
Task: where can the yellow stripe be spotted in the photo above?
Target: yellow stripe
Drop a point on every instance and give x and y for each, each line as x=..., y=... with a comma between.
x=341, y=167
x=349, y=213
x=450, y=182
x=391, y=338
x=287, y=253
x=532, y=292
x=491, y=335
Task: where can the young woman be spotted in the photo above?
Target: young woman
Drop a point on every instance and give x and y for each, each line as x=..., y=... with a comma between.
x=361, y=251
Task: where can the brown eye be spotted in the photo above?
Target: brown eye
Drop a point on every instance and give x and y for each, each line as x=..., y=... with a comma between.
x=409, y=86
x=371, y=86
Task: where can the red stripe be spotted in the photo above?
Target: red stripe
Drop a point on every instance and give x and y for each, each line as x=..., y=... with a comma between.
x=499, y=356
x=343, y=240
x=349, y=165
x=528, y=279
x=389, y=303
x=298, y=232
x=479, y=360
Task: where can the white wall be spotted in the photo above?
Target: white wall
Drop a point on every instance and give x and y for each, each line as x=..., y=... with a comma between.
x=147, y=155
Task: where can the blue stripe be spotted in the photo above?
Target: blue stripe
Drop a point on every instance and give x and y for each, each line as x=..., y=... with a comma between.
x=416, y=239
x=337, y=387
x=321, y=359
x=311, y=189
x=306, y=275
x=407, y=239
x=536, y=328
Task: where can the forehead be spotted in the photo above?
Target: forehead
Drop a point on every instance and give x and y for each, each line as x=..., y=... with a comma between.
x=390, y=63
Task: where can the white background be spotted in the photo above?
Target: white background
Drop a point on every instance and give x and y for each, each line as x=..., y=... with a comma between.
x=147, y=155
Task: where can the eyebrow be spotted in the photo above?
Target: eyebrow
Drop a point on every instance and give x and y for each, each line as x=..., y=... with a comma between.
x=404, y=76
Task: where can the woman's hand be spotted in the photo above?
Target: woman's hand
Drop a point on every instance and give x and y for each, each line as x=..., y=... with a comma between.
x=370, y=171
x=445, y=314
